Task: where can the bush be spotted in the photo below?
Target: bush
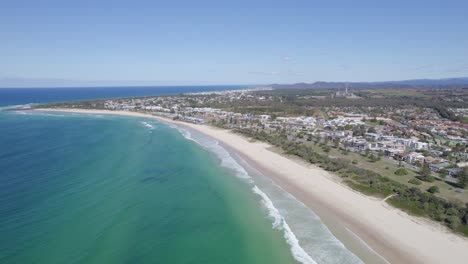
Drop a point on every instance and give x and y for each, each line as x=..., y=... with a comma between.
x=401, y=172
x=415, y=181
x=433, y=189
x=453, y=221
x=355, y=162
x=426, y=178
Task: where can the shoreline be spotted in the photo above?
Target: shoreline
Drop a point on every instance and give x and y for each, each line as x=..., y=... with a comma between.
x=391, y=233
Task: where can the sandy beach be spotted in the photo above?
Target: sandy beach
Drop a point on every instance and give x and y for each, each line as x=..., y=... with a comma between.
x=393, y=234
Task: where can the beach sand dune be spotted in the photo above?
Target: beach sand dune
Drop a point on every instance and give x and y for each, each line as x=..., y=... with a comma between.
x=398, y=237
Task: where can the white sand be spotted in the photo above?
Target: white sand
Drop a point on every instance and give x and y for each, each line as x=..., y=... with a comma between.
x=398, y=237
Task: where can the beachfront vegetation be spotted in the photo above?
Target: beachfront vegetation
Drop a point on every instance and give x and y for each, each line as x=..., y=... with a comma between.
x=410, y=199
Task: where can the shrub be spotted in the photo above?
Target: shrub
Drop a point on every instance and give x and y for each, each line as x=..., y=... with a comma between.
x=426, y=178
x=453, y=221
x=401, y=171
x=415, y=181
x=433, y=189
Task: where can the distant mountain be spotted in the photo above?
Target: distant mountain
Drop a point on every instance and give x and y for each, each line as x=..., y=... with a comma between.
x=418, y=83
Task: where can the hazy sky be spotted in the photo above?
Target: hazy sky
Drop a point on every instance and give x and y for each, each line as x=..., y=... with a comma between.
x=232, y=42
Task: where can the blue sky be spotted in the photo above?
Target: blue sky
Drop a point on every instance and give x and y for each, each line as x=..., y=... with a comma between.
x=230, y=42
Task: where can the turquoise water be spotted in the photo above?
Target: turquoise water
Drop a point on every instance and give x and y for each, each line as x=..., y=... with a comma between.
x=103, y=189
x=78, y=188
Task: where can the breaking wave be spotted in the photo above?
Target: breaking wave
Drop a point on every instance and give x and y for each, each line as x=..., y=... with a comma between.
x=148, y=125
x=227, y=161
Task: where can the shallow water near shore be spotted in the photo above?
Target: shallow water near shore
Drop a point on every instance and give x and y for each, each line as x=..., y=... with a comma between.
x=101, y=188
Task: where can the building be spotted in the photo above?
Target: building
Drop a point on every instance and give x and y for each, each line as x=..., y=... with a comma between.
x=438, y=166
x=414, y=157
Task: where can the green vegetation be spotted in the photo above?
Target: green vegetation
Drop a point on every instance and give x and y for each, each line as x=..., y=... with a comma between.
x=425, y=174
x=463, y=177
x=401, y=171
x=409, y=199
x=415, y=181
x=433, y=189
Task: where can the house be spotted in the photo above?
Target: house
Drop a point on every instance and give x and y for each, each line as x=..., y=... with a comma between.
x=452, y=175
x=374, y=146
x=392, y=152
x=264, y=118
x=453, y=172
x=438, y=166
x=358, y=143
x=373, y=136
x=418, y=145
x=414, y=157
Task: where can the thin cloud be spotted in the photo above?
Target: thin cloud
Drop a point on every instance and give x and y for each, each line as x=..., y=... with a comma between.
x=459, y=69
x=263, y=73
x=275, y=73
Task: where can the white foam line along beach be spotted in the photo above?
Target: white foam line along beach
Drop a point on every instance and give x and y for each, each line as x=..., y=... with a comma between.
x=278, y=221
x=395, y=235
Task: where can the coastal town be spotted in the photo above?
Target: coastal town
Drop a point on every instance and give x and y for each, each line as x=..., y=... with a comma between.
x=410, y=150
x=409, y=140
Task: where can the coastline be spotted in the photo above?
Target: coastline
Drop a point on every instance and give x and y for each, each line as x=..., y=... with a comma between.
x=393, y=234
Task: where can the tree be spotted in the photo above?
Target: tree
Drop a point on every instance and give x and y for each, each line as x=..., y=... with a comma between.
x=453, y=221
x=374, y=158
x=401, y=171
x=415, y=181
x=425, y=173
x=463, y=177
x=345, y=144
x=371, y=130
x=433, y=189
x=337, y=142
x=443, y=173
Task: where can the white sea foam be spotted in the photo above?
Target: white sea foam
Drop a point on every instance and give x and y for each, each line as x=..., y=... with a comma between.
x=230, y=163
x=33, y=113
x=12, y=107
x=148, y=125
x=213, y=146
x=280, y=223
x=56, y=115
x=316, y=239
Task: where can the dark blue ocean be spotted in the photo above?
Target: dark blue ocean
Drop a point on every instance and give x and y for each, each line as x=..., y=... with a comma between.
x=18, y=96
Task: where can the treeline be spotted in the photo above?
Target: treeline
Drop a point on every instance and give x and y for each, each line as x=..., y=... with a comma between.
x=401, y=101
x=444, y=113
x=296, y=101
x=409, y=199
x=88, y=104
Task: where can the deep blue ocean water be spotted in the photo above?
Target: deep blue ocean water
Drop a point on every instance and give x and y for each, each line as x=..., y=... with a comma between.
x=18, y=96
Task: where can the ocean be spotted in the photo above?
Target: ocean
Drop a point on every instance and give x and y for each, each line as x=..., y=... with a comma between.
x=19, y=96
x=82, y=188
